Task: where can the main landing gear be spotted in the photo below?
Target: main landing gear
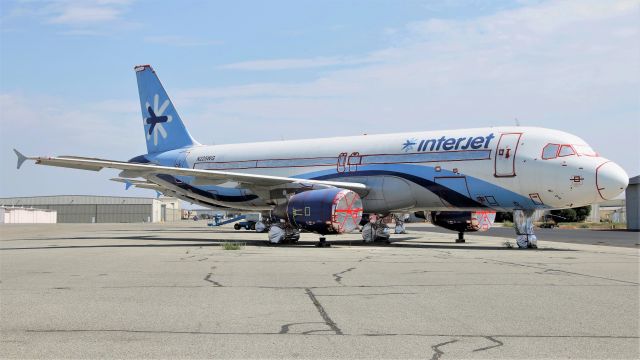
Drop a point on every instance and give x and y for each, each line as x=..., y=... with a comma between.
x=375, y=230
x=280, y=233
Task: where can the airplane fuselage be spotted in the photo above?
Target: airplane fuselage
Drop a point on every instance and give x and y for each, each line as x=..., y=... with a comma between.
x=500, y=168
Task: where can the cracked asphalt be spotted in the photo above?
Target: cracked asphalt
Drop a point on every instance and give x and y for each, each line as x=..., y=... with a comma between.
x=170, y=290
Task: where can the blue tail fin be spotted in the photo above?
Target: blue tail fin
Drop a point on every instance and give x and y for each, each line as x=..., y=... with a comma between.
x=163, y=128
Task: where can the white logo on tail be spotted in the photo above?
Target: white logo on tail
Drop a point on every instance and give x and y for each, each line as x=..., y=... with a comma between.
x=156, y=119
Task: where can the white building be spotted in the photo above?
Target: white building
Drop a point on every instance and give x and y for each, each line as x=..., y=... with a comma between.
x=16, y=215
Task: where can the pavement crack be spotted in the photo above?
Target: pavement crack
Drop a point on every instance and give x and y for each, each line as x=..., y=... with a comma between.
x=327, y=320
x=209, y=279
x=369, y=294
x=284, y=329
x=436, y=348
x=550, y=270
x=497, y=342
x=338, y=276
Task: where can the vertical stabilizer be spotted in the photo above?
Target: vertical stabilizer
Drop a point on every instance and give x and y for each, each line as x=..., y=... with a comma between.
x=163, y=128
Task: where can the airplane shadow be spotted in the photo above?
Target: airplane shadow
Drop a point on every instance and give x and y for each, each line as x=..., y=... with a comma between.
x=183, y=230
x=186, y=242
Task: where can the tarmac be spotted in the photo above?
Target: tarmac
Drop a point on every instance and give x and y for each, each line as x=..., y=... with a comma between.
x=172, y=291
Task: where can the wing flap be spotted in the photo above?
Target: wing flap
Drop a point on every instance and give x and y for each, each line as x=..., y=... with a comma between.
x=70, y=165
x=144, y=184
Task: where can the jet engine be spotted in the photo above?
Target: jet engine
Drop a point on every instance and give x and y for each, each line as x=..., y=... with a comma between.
x=325, y=211
x=463, y=221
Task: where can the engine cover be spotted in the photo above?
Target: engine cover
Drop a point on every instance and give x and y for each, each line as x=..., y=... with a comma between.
x=325, y=211
x=462, y=221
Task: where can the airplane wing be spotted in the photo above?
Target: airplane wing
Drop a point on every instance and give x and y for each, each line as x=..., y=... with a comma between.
x=94, y=164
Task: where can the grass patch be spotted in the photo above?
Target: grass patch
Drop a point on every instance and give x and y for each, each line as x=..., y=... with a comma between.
x=590, y=225
x=507, y=223
x=227, y=245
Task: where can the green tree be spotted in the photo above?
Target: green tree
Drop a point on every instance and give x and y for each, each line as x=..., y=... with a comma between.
x=572, y=215
x=504, y=216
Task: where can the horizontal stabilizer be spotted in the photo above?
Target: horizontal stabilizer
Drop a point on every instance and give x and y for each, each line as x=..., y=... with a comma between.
x=21, y=158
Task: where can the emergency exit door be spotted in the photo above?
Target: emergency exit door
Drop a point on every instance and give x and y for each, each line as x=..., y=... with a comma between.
x=505, y=158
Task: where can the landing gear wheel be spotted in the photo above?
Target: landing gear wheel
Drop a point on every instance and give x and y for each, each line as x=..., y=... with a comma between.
x=368, y=233
x=276, y=234
x=527, y=242
x=323, y=242
x=260, y=227
x=375, y=232
x=236, y=226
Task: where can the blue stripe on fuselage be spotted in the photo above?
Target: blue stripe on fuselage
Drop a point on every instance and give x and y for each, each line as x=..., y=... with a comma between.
x=424, y=175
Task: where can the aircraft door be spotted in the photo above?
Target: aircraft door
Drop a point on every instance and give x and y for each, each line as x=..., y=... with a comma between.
x=505, y=156
x=342, y=162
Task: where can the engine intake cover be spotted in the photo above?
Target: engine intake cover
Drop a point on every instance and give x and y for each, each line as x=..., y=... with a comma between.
x=325, y=211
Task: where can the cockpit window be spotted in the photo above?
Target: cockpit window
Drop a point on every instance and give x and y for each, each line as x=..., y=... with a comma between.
x=566, y=150
x=550, y=151
x=585, y=150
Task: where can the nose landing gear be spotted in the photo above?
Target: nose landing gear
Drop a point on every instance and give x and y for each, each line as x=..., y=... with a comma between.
x=523, y=223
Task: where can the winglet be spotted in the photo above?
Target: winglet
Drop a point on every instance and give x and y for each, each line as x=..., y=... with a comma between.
x=127, y=184
x=158, y=194
x=21, y=158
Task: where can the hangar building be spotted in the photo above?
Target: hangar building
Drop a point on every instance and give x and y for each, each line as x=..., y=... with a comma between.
x=102, y=209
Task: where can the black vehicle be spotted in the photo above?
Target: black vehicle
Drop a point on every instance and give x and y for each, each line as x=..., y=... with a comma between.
x=247, y=225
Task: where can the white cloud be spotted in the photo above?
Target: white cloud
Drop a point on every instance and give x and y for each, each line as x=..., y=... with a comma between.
x=291, y=64
x=58, y=125
x=180, y=41
x=81, y=17
x=85, y=14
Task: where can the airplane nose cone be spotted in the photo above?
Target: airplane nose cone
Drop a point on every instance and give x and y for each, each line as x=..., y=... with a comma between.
x=611, y=180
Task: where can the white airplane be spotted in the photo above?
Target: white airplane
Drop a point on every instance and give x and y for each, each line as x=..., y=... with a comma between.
x=327, y=185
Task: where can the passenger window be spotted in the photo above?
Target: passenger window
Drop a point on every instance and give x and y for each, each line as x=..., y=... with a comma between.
x=566, y=150
x=550, y=151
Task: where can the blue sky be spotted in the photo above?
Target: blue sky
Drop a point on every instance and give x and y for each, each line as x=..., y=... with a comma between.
x=257, y=70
